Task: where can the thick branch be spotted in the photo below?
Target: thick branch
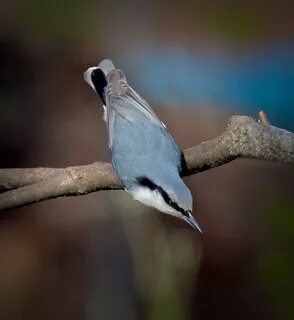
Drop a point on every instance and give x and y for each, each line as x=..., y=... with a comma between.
x=70, y=181
x=244, y=137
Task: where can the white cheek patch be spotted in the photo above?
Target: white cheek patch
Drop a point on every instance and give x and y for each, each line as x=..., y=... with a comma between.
x=153, y=198
x=105, y=113
x=87, y=77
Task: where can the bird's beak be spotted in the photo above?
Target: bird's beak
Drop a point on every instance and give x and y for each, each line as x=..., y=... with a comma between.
x=192, y=222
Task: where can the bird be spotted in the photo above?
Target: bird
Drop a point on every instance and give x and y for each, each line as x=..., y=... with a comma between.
x=144, y=155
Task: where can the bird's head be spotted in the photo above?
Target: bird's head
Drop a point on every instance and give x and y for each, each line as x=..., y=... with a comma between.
x=170, y=196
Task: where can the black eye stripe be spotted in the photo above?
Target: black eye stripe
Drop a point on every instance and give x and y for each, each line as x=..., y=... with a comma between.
x=146, y=182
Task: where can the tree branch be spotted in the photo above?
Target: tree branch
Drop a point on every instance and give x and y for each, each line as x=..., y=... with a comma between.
x=244, y=137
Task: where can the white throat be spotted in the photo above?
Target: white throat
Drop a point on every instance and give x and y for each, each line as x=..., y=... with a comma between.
x=153, y=198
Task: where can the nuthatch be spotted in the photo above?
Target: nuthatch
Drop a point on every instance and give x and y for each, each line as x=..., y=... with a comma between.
x=145, y=157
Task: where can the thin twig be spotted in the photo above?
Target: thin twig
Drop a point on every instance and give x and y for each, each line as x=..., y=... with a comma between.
x=263, y=118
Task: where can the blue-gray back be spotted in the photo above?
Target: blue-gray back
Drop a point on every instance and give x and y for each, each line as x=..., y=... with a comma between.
x=140, y=145
x=138, y=140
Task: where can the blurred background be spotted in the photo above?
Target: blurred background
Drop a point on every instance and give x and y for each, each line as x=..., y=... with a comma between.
x=105, y=256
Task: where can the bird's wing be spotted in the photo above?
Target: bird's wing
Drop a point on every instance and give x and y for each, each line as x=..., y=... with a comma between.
x=123, y=102
x=140, y=103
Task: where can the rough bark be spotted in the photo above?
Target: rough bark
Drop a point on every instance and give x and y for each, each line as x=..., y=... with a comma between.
x=243, y=137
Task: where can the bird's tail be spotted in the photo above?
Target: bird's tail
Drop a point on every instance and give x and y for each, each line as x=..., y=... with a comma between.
x=106, y=66
x=103, y=75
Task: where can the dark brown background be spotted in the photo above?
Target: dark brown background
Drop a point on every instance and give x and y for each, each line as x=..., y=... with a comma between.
x=105, y=256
